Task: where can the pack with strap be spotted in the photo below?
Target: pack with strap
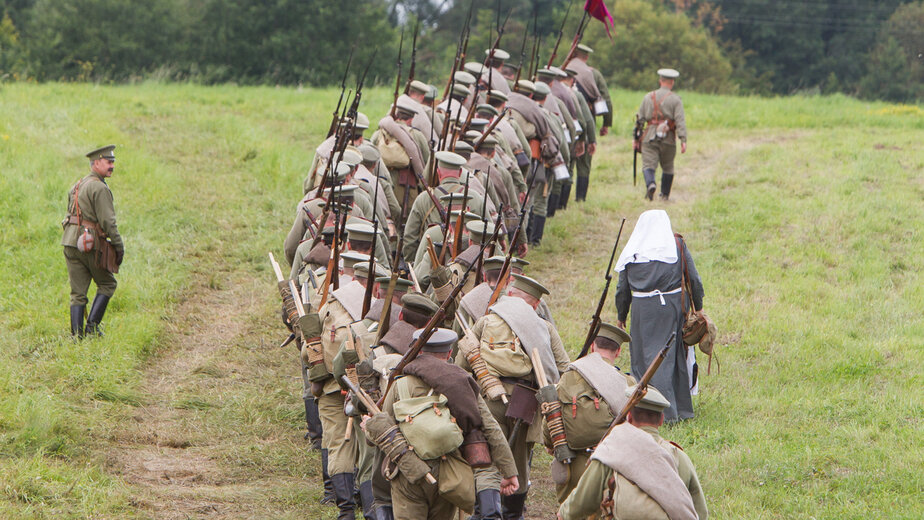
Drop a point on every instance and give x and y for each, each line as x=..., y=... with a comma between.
x=393, y=154
x=698, y=329
x=501, y=350
x=425, y=422
x=584, y=413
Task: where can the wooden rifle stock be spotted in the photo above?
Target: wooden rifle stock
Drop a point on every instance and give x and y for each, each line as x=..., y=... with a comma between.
x=595, y=321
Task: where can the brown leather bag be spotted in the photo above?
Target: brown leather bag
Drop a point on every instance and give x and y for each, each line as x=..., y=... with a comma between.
x=698, y=329
x=106, y=257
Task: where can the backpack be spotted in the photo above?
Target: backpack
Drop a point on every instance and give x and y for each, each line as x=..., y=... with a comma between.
x=584, y=413
x=426, y=422
x=393, y=154
x=501, y=350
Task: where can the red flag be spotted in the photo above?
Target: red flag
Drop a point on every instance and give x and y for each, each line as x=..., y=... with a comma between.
x=598, y=10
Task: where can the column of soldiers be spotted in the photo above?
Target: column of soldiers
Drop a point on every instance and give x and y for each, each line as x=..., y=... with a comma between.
x=431, y=363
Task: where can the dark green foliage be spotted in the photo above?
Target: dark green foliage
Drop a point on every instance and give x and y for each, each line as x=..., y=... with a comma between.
x=896, y=66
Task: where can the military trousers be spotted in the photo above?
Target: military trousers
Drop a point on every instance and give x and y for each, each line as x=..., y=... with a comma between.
x=81, y=270
x=341, y=452
x=583, y=165
x=539, y=198
x=521, y=448
x=421, y=500
x=659, y=151
x=575, y=470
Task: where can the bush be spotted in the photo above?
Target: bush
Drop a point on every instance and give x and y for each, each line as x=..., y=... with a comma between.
x=648, y=37
x=896, y=70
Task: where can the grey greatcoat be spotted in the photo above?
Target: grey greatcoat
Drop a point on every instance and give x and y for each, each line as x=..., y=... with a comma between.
x=654, y=321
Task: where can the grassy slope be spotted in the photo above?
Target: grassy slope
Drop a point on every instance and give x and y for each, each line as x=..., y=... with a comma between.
x=802, y=214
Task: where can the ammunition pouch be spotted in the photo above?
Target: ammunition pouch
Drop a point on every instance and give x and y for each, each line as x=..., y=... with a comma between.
x=523, y=404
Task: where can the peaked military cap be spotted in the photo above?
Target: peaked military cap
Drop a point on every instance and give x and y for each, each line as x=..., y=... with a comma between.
x=463, y=147
x=106, y=152
x=440, y=341
x=497, y=95
x=525, y=85
x=529, y=286
x=341, y=171
x=431, y=95
x=654, y=400
x=541, y=89
x=370, y=153
x=401, y=285
x=499, y=54
x=362, y=269
x=360, y=231
x=472, y=135
x=464, y=78
x=362, y=121
x=455, y=198
x=668, y=73
x=613, y=333
x=420, y=303
x=584, y=48
x=558, y=71
x=449, y=160
x=352, y=156
x=405, y=108
x=480, y=231
x=351, y=258
x=478, y=124
x=489, y=142
x=469, y=216
x=419, y=86
x=518, y=263
x=473, y=67
x=484, y=108
x=459, y=89
x=495, y=263
x=546, y=73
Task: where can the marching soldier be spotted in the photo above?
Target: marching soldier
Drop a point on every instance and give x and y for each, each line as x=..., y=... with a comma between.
x=632, y=476
x=454, y=432
x=592, y=393
x=662, y=110
x=592, y=86
x=404, y=150
x=93, y=247
x=506, y=339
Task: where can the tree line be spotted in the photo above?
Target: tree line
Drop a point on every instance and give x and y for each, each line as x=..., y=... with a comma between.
x=869, y=49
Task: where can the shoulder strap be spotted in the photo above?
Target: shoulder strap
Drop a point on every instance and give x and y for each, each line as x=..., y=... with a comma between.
x=684, y=279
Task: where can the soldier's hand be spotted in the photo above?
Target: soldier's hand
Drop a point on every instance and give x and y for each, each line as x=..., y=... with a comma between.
x=604, y=130
x=579, y=149
x=509, y=486
x=683, y=147
x=621, y=324
x=522, y=249
x=592, y=148
x=120, y=254
x=521, y=197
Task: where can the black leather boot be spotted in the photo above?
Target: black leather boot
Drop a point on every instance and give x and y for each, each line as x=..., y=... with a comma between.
x=328, y=497
x=313, y=419
x=538, y=230
x=666, y=180
x=650, y=185
x=366, y=500
x=77, y=312
x=565, y=194
x=97, y=310
x=513, y=506
x=343, y=492
x=552, y=206
x=580, y=193
x=488, y=504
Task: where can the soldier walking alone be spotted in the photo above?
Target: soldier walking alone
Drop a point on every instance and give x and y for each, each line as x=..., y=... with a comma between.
x=92, y=244
x=662, y=110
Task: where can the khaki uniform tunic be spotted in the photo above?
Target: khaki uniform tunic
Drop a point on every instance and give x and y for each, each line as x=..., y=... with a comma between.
x=656, y=149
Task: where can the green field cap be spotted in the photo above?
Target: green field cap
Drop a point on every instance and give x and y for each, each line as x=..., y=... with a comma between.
x=459, y=89
x=497, y=95
x=369, y=152
x=440, y=341
x=480, y=231
x=499, y=54
x=420, y=303
x=485, y=109
x=362, y=232
x=668, y=73
x=529, y=286
x=449, y=160
x=350, y=258
x=474, y=68
x=419, y=86
x=614, y=333
x=362, y=269
x=654, y=400
x=106, y=152
x=406, y=108
x=463, y=78
x=525, y=86
x=584, y=48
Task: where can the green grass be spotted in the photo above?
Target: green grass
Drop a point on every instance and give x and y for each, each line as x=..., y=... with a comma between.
x=803, y=215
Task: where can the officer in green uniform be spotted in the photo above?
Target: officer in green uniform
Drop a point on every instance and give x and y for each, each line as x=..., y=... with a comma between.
x=634, y=475
x=592, y=393
x=90, y=220
x=662, y=110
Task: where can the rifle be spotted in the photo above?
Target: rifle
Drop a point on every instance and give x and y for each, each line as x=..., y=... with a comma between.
x=505, y=270
x=461, y=47
x=384, y=321
x=394, y=103
x=636, y=145
x=577, y=39
x=642, y=387
x=437, y=318
x=595, y=321
x=490, y=128
x=335, y=121
x=410, y=74
x=457, y=242
x=561, y=31
x=370, y=277
x=522, y=53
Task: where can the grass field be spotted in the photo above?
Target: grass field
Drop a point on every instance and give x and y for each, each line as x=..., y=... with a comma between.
x=804, y=216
